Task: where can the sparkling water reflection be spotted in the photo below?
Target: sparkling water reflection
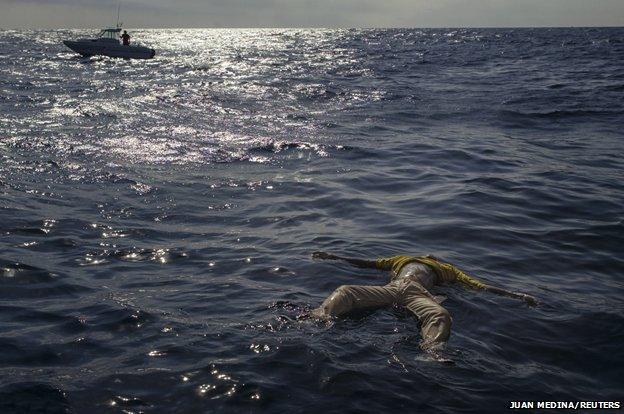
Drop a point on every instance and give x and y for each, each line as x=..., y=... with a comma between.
x=157, y=217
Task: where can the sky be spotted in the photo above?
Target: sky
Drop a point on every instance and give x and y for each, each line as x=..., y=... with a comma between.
x=49, y=14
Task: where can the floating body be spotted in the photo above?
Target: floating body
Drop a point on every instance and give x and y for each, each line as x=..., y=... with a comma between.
x=107, y=44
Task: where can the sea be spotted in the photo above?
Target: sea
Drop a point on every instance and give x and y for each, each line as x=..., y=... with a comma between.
x=157, y=218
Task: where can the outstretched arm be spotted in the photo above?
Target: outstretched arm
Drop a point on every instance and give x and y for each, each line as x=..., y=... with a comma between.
x=530, y=300
x=474, y=283
x=356, y=262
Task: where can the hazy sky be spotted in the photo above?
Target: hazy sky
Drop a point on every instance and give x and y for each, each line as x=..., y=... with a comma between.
x=311, y=13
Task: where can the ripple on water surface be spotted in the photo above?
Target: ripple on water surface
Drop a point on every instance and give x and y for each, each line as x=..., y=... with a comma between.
x=157, y=218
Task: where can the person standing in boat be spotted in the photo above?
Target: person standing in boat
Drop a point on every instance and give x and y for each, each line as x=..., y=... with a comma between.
x=125, y=38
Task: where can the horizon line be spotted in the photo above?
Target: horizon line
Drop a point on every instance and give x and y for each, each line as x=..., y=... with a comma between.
x=320, y=27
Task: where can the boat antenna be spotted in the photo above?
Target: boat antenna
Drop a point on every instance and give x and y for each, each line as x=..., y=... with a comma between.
x=118, y=7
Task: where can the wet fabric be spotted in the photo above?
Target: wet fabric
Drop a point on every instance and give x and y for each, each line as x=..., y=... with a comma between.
x=404, y=290
x=446, y=272
x=434, y=319
x=419, y=273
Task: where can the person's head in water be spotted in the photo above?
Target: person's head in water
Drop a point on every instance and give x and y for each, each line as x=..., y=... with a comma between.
x=125, y=32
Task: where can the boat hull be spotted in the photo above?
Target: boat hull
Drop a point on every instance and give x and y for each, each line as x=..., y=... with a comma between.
x=89, y=47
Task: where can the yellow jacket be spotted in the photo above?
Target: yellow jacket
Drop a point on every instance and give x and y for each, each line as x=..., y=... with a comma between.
x=446, y=272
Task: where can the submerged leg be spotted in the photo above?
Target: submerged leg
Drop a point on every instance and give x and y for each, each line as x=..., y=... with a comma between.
x=435, y=321
x=348, y=298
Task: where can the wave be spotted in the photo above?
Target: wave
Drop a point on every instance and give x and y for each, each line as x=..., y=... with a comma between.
x=559, y=114
x=155, y=249
x=33, y=397
x=22, y=281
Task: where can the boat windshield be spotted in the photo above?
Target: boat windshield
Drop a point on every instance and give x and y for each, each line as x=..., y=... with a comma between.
x=109, y=33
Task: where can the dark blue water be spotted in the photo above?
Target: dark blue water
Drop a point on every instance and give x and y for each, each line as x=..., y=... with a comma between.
x=157, y=218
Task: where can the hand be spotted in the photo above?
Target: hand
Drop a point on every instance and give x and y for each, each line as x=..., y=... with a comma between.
x=323, y=256
x=530, y=300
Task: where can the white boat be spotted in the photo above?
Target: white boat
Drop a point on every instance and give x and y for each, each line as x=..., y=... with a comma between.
x=107, y=44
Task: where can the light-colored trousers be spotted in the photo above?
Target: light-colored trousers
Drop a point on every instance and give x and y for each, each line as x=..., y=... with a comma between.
x=434, y=319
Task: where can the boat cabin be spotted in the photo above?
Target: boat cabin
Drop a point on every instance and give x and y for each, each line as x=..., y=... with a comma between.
x=110, y=34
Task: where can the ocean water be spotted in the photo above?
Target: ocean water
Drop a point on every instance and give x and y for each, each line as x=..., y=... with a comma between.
x=157, y=218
